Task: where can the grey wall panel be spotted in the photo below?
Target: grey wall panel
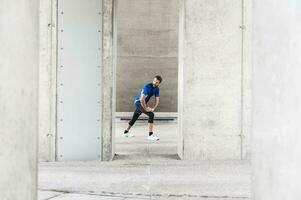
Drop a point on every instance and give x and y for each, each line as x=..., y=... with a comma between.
x=131, y=79
x=147, y=45
x=78, y=79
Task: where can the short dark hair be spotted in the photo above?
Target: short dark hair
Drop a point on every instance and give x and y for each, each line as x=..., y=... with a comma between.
x=159, y=78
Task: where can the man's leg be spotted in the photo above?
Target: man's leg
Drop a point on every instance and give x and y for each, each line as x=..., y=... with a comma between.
x=151, y=116
x=136, y=115
x=150, y=127
x=128, y=128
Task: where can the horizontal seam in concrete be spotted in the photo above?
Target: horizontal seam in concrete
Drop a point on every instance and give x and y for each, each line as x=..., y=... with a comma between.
x=137, y=56
x=151, y=30
x=115, y=194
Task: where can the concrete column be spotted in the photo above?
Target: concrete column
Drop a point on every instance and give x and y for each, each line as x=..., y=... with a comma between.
x=213, y=81
x=47, y=79
x=276, y=139
x=108, y=102
x=18, y=99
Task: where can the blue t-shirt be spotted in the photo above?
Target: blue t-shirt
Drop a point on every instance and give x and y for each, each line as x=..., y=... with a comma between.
x=148, y=90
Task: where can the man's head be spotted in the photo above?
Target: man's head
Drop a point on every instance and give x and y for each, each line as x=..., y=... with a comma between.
x=157, y=80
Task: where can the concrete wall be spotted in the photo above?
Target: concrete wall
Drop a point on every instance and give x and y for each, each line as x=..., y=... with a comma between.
x=276, y=138
x=147, y=45
x=213, y=70
x=18, y=99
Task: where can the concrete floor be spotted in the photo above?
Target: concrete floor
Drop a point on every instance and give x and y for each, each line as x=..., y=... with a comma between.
x=145, y=169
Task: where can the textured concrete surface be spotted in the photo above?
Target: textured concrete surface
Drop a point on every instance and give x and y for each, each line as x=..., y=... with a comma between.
x=211, y=71
x=246, y=79
x=45, y=195
x=167, y=131
x=47, y=80
x=144, y=169
x=107, y=103
x=147, y=45
x=276, y=132
x=18, y=99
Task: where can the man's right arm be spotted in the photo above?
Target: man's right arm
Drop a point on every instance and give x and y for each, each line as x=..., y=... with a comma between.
x=142, y=102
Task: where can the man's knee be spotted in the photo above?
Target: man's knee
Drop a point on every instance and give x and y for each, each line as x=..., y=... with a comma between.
x=151, y=116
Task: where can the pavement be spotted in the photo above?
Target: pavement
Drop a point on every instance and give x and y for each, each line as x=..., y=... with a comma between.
x=143, y=170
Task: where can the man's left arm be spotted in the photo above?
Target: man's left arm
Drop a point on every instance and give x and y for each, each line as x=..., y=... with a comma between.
x=156, y=103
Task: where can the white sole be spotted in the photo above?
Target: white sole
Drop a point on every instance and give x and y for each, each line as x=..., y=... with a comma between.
x=127, y=136
x=153, y=139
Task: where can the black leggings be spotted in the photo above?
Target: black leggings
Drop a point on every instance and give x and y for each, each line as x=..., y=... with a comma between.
x=139, y=110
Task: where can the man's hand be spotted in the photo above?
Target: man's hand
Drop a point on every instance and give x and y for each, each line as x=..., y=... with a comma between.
x=149, y=109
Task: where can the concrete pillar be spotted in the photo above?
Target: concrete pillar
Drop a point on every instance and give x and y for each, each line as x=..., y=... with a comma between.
x=213, y=90
x=108, y=74
x=47, y=79
x=276, y=139
x=18, y=99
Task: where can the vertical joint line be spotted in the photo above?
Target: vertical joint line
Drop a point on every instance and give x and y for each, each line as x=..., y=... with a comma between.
x=242, y=79
x=113, y=88
x=52, y=79
x=56, y=77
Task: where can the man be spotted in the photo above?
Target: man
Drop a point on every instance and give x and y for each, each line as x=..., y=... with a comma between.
x=149, y=90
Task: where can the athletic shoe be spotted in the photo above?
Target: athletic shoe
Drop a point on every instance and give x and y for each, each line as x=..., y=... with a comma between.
x=152, y=137
x=128, y=134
